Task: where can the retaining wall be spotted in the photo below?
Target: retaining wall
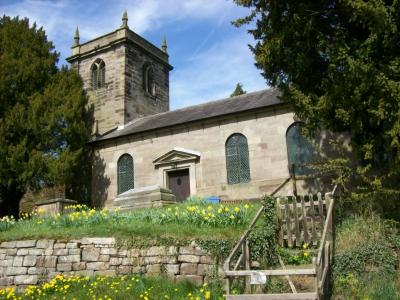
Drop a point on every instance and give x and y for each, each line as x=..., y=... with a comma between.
x=32, y=262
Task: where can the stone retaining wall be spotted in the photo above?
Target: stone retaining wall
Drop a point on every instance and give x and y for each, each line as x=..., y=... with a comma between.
x=31, y=262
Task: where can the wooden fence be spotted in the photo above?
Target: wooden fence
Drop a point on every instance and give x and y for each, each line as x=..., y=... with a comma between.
x=302, y=219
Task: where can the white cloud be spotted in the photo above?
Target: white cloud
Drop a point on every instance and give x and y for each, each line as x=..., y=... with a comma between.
x=213, y=73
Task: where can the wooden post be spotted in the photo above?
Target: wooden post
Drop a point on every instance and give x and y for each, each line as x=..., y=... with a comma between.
x=304, y=216
x=296, y=221
x=247, y=266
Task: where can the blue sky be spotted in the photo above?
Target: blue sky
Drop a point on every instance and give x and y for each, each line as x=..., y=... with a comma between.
x=209, y=54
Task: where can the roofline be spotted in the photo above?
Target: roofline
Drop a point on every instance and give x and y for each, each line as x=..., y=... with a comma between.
x=158, y=56
x=93, y=142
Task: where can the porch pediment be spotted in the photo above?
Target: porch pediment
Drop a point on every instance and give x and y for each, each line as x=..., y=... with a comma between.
x=177, y=155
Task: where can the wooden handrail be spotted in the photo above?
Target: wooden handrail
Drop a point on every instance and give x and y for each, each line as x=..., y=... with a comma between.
x=252, y=224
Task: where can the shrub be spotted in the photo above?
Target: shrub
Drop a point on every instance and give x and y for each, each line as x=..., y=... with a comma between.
x=264, y=237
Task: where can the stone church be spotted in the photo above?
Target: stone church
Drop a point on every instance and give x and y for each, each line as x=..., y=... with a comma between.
x=145, y=154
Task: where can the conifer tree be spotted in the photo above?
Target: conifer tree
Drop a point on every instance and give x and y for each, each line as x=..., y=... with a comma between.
x=338, y=64
x=42, y=114
x=238, y=90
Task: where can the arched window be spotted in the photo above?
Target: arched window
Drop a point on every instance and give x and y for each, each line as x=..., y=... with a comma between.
x=299, y=149
x=125, y=173
x=149, y=84
x=98, y=77
x=237, y=159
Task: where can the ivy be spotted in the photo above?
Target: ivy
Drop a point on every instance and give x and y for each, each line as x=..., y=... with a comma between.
x=264, y=237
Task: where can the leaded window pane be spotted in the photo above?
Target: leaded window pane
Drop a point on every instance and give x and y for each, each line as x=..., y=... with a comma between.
x=125, y=173
x=300, y=150
x=237, y=159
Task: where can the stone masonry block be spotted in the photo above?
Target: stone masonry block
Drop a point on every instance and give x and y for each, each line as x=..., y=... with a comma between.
x=190, y=250
x=36, y=271
x=123, y=270
x=36, y=251
x=98, y=241
x=99, y=266
x=44, y=244
x=26, y=279
x=189, y=258
x=104, y=257
x=6, y=263
x=206, y=259
x=30, y=261
x=71, y=245
x=188, y=269
x=79, y=266
x=6, y=281
x=7, y=244
x=25, y=244
x=90, y=254
x=65, y=267
x=115, y=261
x=108, y=251
x=69, y=259
x=18, y=260
x=172, y=269
x=50, y=261
x=74, y=251
x=153, y=269
x=60, y=252
x=16, y=271
x=59, y=245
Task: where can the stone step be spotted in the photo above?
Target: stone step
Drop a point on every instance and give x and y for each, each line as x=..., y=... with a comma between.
x=286, y=296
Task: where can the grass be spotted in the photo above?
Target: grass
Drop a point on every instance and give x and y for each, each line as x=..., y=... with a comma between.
x=366, y=262
x=116, y=288
x=182, y=222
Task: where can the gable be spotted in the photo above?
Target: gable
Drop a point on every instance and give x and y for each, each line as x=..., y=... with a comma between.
x=177, y=155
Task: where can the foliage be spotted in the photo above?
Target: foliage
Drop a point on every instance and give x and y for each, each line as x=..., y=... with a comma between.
x=219, y=249
x=338, y=64
x=296, y=257
x=123, y=287
x=366, y=258
x=371, y=286
x=263, y=238
x=144, y=227
x=384, y=202
x=42, y=113
x=238, y=90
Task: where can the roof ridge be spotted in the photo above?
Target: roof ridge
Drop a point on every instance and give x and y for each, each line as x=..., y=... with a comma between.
x=197, y=105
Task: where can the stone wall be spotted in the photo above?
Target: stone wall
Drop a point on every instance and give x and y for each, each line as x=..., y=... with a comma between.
x=31, y=262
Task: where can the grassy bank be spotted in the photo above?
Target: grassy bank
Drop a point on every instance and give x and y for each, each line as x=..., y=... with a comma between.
x=366, y=262
x=187, y=221
x=115, y=288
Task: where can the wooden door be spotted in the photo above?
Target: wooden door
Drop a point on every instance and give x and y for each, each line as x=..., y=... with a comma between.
x=179, y=184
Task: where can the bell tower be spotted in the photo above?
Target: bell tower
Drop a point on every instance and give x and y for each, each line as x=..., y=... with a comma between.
x=125, y=76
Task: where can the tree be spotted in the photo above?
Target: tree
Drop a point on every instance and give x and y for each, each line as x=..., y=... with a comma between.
x=238, y=90
x=338, y=64
x=42, y=113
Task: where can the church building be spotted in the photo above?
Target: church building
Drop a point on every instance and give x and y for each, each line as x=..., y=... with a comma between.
x=233, y=149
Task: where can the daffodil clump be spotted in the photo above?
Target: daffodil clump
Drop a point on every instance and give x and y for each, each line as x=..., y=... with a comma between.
x=108, y=288
x=6, y=222
x=209, y=215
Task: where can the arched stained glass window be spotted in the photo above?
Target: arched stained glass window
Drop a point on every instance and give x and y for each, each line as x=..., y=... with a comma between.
x=125, y=173
x=98, y=75
x=299, y=149
x=237, y=159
